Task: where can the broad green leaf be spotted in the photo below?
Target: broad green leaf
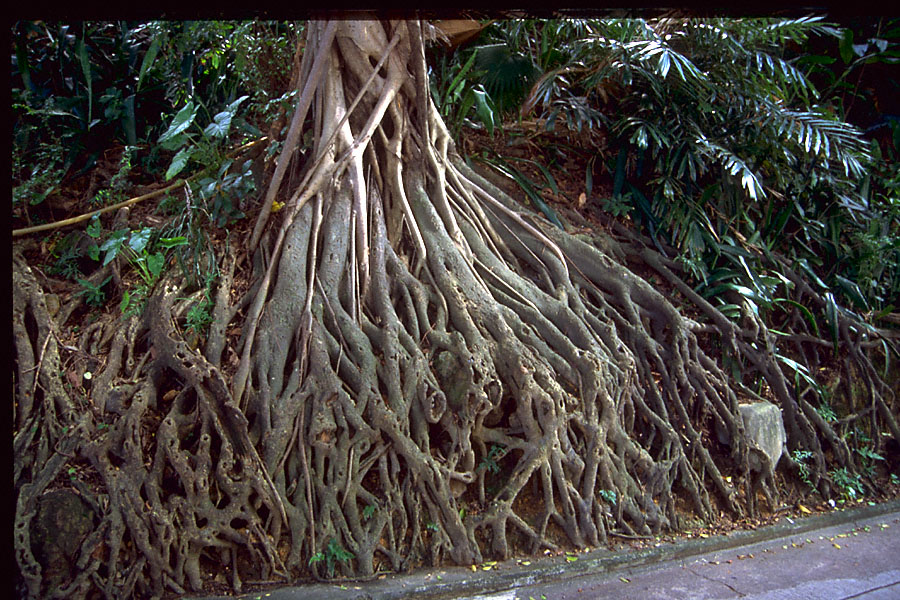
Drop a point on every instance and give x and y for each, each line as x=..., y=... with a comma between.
x=846, y=46
x=798, y=369
x=94, y=228
x=139, y=239
x=175, y=143
x=619, y=177
x=179, y=161
x=129, y=121
x=173, y=242
x=155, y=263
x=483, y=109
x=459, y=81
x=86, y=71
x=181, y=122
x=831, y=314
x=112, y=245
x=853, y=292
x=126, y=300
x=222, y=121
x=149, y=57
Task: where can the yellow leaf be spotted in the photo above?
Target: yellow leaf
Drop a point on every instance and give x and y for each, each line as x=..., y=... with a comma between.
x=276, y=206
x=625, y=579
x=836, y=545
x=803, y=509
x=473, y=568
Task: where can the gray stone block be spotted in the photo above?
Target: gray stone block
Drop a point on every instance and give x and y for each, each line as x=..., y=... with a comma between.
x=764, y=425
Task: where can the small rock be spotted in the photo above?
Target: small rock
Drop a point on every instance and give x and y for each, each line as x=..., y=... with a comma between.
x=52, y=301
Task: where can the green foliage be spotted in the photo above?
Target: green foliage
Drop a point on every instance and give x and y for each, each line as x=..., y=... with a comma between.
x=199, y=317
x=728, y=148
x=826, y=412
x=93, y=293
x=531, y=188
x=79, y=89
x=144, y=249
x=609, y=496
x=849, y=483
x=369, y=511
x=489, y=462
x=457, y=92
x=801, y=457
x=333, y=554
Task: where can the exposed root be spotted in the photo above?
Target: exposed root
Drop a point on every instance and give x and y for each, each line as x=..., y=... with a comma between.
x=427, y=372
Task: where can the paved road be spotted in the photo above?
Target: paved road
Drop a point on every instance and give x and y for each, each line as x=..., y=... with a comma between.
x=852, y=561
x=844, y=555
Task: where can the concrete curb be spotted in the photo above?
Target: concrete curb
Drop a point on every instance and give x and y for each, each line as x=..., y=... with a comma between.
x=462, y=582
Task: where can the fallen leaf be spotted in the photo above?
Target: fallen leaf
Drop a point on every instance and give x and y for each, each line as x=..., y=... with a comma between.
x=474, y=568
x=625, y=579
x=804, y=509
x=836, y=545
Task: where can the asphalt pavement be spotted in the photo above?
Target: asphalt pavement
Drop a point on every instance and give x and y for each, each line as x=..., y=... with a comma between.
x=842, y=555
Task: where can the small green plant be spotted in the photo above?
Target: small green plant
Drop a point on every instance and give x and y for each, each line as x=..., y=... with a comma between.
x=333, y=554
x=801, y=457
x=609, y=496
x=617, y=206
x=489, y=462
x=188, y=144
x=93, y=294
x=869, y=458
x=368, y=511
x=148, y=257
x=826, y=412
x=432, y=526
x=224, y=192
x=849, y=483
x=895, y=480
x=67, y=253
x=199, y=317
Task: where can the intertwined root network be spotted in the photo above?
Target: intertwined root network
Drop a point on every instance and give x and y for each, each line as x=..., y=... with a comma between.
x=426, y=371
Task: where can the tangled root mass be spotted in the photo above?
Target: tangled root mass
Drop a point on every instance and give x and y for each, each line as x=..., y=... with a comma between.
x=427, y=372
